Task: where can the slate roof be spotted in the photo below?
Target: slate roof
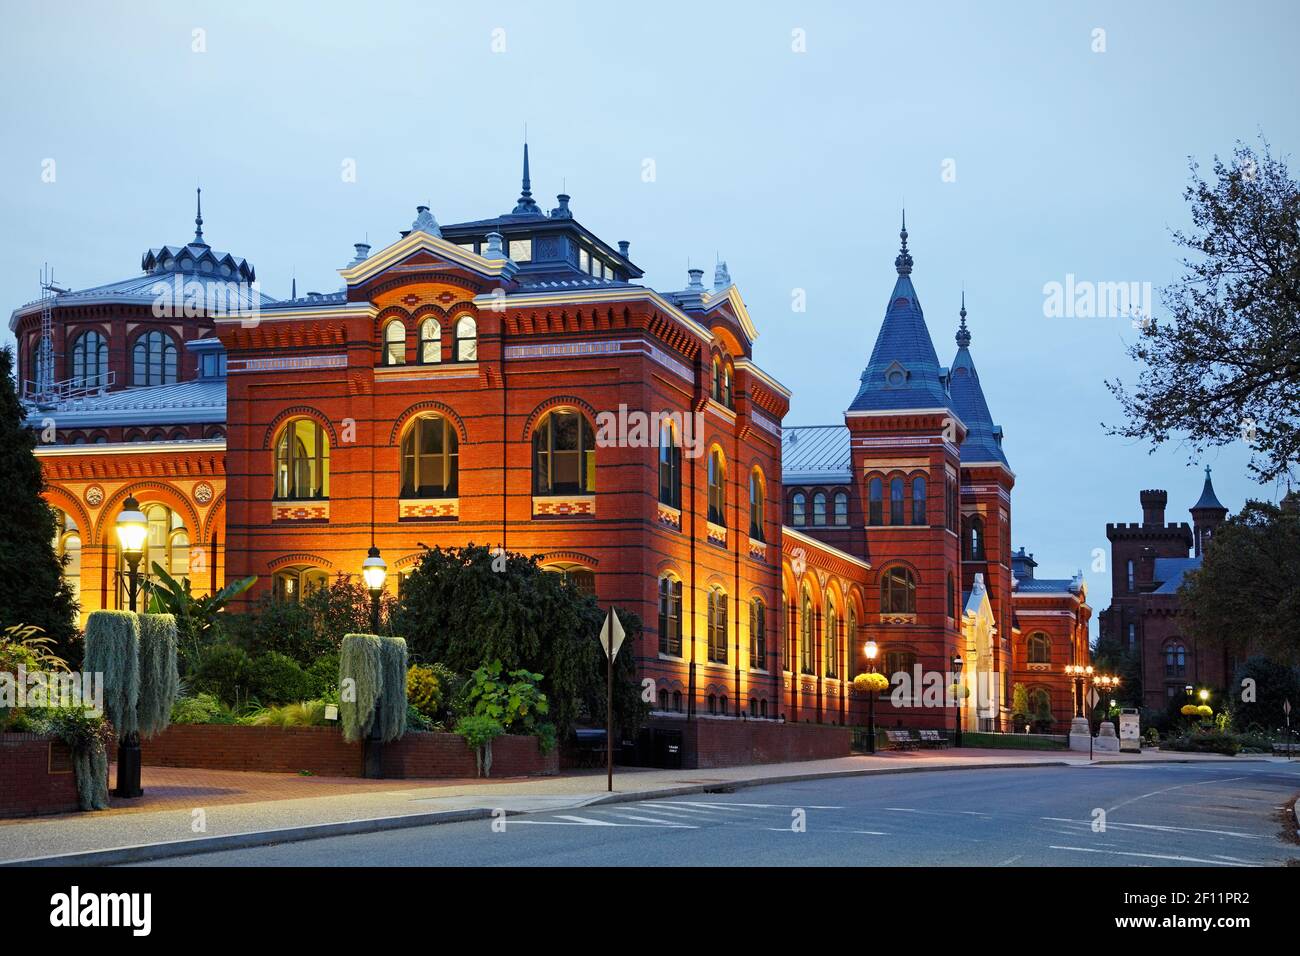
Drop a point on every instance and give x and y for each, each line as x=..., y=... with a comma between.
x=200, y=400
x=1208, y=500
x=815, y=454
x=904, y=370
x=1169, y=572
x=1044, y=585
x=982, y=436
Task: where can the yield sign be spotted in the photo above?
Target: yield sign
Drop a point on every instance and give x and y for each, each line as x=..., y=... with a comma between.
x=1092, y=697
x=611, y=635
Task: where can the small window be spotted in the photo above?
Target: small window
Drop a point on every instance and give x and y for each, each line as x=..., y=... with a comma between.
x=757, y=634
x=799, y=509
x=1040, y=648
x=717, y=626
x=897, y=591
x=670, y=616
x=670, y=465
x=918, y=500
x=841, y=508
x=717, y=487
x=756, y=505
x=1175, y=660
x=395, y=343
x=807, y=633
x=876, y=504
x=466, y=339
x=430, y=341
x=819, y=509
x=1131, y=578
x=831, y=642
x=896, y=501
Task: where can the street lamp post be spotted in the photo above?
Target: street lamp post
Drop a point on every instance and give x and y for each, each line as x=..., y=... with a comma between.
x=957, y=664
x=132, y=529
x=374, y=571
x=872, y=650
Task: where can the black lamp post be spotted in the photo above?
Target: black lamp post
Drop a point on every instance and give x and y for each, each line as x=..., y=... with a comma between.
x=374, y=571
x=132, y=529
x=957, y=664
x=872, y=651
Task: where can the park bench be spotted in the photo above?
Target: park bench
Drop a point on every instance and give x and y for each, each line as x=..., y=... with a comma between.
x=932, y=738
x=900, y=739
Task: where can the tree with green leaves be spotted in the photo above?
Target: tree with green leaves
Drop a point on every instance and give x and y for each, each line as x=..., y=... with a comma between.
x=1110, y=656
x=35, y=591
x=1225, y=366
x=1258, y=691
x=465, y=607
x=1245, y=597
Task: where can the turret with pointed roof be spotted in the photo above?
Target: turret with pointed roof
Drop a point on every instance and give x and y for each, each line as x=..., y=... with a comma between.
x=1207, y=514
x=983, y=439
x=903, y=372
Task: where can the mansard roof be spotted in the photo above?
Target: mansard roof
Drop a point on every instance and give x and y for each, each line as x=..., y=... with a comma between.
x=200, y=400
x=983, y=441
x=904, y=371
x=815, y=454
x=1168, y=572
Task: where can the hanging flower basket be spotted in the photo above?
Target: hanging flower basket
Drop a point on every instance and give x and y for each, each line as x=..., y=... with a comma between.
x=870, y=683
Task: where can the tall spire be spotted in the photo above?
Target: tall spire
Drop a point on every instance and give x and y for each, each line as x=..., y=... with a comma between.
x=198, y=217
x=526, y=206
x=963, y=333
x=903, y=262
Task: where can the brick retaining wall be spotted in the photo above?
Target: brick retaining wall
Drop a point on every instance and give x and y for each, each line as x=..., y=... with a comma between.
x=36, y=776
x=711, y=742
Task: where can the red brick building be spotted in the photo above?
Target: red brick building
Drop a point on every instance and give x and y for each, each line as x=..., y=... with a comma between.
x=508, y=382
x=1148, y=561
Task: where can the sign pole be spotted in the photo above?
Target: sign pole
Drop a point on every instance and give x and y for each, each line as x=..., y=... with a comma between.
x=1286, y=707
x=609, y=721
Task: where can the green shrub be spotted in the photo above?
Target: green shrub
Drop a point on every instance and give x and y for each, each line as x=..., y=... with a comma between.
x=87, y=738
x=323, y=678
x=201, y=709
x=360, y=679
x=392, y=687
x=113, y=650
x=479, y=732
x=1205, y=741
x=274, y=678
x=224, y=671
x=424, y=691
x=308, y=713
x=159, y=678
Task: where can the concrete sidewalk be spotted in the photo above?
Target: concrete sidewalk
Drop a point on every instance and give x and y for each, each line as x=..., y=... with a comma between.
x=205, y=818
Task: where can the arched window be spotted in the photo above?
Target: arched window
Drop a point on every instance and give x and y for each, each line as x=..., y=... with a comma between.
x=757, y=498
x=952, y=598
x=1129, y=569
x=897, y=591
x=896, y=500
x=728, y=385
x=582, y=578
x=1175, y=659
x=90, y=360
x=564, y=454
x=430, y=458
x=841, y=508
x=395, y=343
x=807, y=633
x=166, y=543
x=430, y=341
x=717, y=487
x=799, y=509
x=876, y=502
x=663, y=698
x=67, y=544
x=972, y=532
x=757, y=634
x=466, y=339
x=899, y=661
x=851, y=635
x=153, y=359
x=677, y=701
x=670, y=615
x=293, y=584
x=670, y=465
x=819, y=508
x=717, y=626
x=918, y=500
x=1040, y=648
x=302, y=461
x=831, y=641
x=715, y=387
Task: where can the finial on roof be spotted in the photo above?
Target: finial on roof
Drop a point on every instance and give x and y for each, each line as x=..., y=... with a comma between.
x=424, y=222
x=903, y=262
x=1208, y=499
x=721, y=277
x=526, y=205
x=198, y=217
x=963, y=333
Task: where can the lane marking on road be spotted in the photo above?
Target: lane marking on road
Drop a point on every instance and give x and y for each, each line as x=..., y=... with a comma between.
x=1156, y=793
x=730, y=807
x=1012, y=859
x=1158, y=826
x=661, y=822
x=565, y=820
x=685, y=809
x=1148, y=856
x=937, y=813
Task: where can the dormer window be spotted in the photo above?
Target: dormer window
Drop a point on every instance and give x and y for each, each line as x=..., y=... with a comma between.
x=896, y=376
x=212, y=364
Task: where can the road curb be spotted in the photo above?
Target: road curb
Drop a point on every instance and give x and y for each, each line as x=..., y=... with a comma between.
x=146, y=852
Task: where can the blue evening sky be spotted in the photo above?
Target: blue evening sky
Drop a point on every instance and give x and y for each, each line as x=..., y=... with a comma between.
x=791, y=165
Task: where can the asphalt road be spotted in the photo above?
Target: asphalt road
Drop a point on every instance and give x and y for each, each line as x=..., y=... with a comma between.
x=1154, y=815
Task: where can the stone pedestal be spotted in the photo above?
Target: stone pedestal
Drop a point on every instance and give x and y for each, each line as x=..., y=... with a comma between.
x=1080, y=734
x=1107, y=741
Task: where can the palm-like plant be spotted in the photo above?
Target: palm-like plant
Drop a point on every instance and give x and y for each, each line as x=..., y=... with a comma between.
x=194, y=616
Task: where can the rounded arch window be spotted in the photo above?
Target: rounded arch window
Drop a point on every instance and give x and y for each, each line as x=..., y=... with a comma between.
x=896, y=500
x=1040, y=648
x=294, y=584
x=67, y=544
x=757, y=498
x=717, y=625
x=430, y=458
x=670, y=464
x=876, y=501
x=670, y=615
x=897, y=591
x=807, y=632
x=166, y=544
x=580, y=576
x=90, y=360
x=717, y=486
x=302, y=461
x=831, y=641
x=1175, y=659
x=819, y=508
x=395, y=343
x=757, y=634
x=841, y=508
x=430, y=341
x=918, y=499
x=153, y=359
x=799, y=509
x=466, y=339
x=564, y=454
